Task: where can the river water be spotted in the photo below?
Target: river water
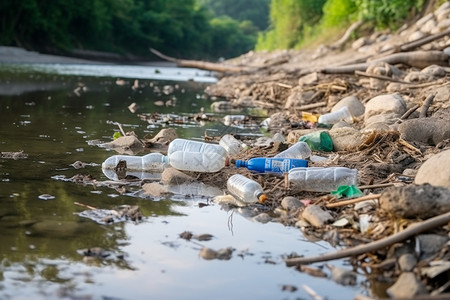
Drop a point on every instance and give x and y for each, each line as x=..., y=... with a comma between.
x=52, y=113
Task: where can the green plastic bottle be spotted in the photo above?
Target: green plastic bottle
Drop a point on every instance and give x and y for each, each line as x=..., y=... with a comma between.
x=318, y=141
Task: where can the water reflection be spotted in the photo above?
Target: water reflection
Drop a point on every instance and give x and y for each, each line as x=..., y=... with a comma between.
x=44, y=242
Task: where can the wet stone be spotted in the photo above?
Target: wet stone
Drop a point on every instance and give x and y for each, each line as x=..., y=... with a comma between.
x=316, y=216
x=432, y=172
x=291, y=203
x=174, y=176
x=415, y=201
x=263, y=218
x=345, y=138
x=406, y=286
x=430, y=244
x=385, y=104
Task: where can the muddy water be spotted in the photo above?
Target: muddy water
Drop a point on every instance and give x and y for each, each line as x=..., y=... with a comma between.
x=42, y=240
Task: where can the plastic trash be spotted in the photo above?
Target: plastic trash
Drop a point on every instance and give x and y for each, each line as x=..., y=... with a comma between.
x=298, y=150
x=333, y=117
x=318, y=141
x=150, y=162
x=194, y=146
x=348, y=191
x=206, y=161
x=317, y=179
x=309, y=117
x=232, y=145
x=271, y=165
x=112, y=175
x=229, y=120
x=246, y=189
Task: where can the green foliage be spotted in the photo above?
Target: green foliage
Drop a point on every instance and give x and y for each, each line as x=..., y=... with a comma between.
x=338, y=12
x=117, y=135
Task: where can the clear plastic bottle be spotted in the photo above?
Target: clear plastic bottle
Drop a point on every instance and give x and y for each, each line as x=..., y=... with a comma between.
x=271, y=165
x=333, y=117
x=298, y=150
x=232, y=145
x=151, y=162
x=206, y=161
x=194, y=146
x=246, y=189
x=317, y=179
x=229, y=120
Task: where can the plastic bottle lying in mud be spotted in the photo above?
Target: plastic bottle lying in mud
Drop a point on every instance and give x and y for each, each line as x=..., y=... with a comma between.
x=298, y=150
x=246, y=189
x=333, y=117
x=194, y=146
x=153, y=162
x=271, y=165
x=232, y=145
x=318, y=141
x=206, y=161
x=318, y=179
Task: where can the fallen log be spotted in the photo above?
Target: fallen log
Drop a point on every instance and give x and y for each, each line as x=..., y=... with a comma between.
x=203, y=65
x=418, y=59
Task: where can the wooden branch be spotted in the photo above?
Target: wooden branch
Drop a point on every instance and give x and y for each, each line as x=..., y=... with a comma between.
x=426, y=105
x=380, y=77
x=412, y=230
x=419, y=59
x=203, y=65
x=353, y=201
x=346, y=35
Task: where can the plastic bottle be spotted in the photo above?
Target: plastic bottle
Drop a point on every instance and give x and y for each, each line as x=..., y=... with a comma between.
x=233, y=119
x=194, y=146
x=298, y=150
x=206, y=161
x=112, y=175
x=150, y=162
x=317, y=179
x=271, y=165
x=333, y=117
x=318, y=141
x=246, y=189
x=232, y=145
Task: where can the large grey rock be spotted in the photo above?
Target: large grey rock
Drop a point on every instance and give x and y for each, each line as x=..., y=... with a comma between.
x=435, y=170
x=429, y=131
x=392, y=104
x=415, y=201
x=353, y=104
x=346, y=138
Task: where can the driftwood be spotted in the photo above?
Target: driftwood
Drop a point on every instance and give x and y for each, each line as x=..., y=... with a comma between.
x=346, y=35
x=375, y=245
x=203, y=65
x=418, y=59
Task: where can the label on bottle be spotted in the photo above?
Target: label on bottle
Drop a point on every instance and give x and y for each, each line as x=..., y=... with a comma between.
x=281, y=165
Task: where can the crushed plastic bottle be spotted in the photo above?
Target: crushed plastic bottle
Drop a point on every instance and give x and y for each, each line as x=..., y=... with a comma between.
x=317, y=179
x=318, y=141
x=232, y=145
x=150, y=162
x=271, y=165
x=298, y=150
x=333, y=117
x=206, y=161
x=194, y=146
x=246, y=189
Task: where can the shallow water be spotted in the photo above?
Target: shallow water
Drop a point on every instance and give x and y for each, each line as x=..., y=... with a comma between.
x=47, y=115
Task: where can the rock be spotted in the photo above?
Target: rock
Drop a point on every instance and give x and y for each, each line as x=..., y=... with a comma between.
x=363, y=41
x=428, y=131
x=263, y=218
x=125, y=144
x=316, y=216
x=406, y=286
x=415, y=201
x=417, y=35
x=343, y=276
x=154, y=189
x=298, y=97
x=222, y=254
x=429, y=26
x=434, y=70
x=353, y=104
x=164, y=136
x=407, y=262
x=221, y=106
x=345, y=138
x=308, y=79
x=430, y=244
x=392, y=104
x=387, y=119
x=432, y=171
x=174, y=176
x=418, y=77
x=291, y=203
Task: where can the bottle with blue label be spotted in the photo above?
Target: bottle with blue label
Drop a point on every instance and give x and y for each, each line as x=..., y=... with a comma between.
x=272, y=165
